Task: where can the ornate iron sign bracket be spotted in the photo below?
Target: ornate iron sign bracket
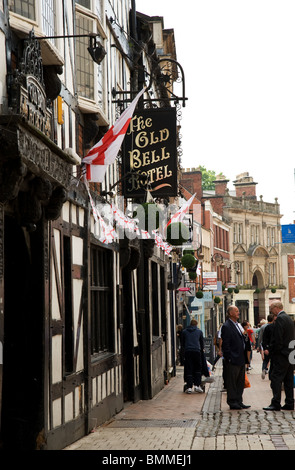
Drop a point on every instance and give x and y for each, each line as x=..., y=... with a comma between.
x=160, y=76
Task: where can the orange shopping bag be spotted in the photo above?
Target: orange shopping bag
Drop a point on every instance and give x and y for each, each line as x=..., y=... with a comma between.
x=247, y=383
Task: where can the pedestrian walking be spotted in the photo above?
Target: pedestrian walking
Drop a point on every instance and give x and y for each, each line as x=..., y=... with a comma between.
x=233, y=348
x=180, y=358
x=264, y=341
x=282, y=371
x=248, y=348
x=193, y=346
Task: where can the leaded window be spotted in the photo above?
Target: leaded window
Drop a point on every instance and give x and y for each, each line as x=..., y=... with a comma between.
x=24, y=8
x=85, y=70
x=101, y=292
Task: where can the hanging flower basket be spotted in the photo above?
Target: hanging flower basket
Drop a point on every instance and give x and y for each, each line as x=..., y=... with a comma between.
x=199, y=294
x=192, y=276
x=188, y=261
x=257, y=291
x=236, y=290
x=273, y=290
x=217, y=300
x=230, y=290
x=177, y=233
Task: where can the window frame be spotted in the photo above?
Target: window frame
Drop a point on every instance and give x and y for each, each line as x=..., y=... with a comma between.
x=101, y=289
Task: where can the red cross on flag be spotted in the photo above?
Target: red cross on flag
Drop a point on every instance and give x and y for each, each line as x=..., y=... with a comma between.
x=104, y=153
x=179, y=215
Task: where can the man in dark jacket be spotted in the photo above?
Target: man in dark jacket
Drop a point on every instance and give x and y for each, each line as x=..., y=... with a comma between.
x=233, y=348
x=193, y=345
x=282, y=371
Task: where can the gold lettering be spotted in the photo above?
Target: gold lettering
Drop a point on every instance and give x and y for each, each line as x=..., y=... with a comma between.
x=151, y=175
x=141, y=140
x=155, y=158
x=135, y=161
x=165, y=155
x=153, y=139
x=133, y=183
x=164, y=135
x=159, y=173
x=137, y=124
x=146, y=158
x=167, y=173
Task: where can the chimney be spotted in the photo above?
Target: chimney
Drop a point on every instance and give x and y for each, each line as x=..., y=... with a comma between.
x=245, y=186
x=191, y=179
x=221, y=185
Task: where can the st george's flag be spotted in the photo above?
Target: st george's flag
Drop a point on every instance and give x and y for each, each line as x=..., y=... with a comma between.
x=179, y=215
x=104, y=153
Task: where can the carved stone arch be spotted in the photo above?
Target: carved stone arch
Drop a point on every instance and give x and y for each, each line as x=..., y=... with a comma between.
x=257, y=251
x=258, y=280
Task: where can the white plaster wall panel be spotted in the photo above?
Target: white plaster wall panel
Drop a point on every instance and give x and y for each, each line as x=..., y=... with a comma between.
x=66, y=211
x=94, y=391
x=103, y=386
x=55, y=308
x=99, y=386
x=77, y=244
x=56, y=413
x=77, y=292
x=56, y=359
x=81, y=217
x=74, y=214
x=69, y=415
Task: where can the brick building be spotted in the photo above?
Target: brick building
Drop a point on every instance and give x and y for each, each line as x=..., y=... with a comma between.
x=247, y=235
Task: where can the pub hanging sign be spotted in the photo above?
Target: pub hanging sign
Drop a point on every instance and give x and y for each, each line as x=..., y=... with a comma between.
x=150, y=154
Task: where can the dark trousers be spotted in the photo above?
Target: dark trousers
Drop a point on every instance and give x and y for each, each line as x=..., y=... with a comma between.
x=235, y=382
x=282, y=372
x=192, y=368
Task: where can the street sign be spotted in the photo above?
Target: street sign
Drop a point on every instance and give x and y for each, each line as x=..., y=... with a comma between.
x=288, y=233
x=209, y=280
x=208, y=346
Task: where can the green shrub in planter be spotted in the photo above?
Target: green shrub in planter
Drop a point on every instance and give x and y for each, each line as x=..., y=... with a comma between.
x=188, y=261
x=273, y=290
x=236, y=290
x=230, y=290
x=177, y=233
x=257, y=291
x=199, y=294
x=192, y=276
x=217, y=300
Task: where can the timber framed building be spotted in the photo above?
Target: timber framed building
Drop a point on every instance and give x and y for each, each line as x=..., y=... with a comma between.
x=84, y=326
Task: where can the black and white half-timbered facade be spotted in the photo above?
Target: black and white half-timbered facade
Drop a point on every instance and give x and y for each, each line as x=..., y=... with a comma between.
x=84, y=325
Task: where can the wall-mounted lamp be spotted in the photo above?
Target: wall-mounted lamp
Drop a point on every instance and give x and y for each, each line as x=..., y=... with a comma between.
x=95, y=48
x=237, y=266
x=219, y=259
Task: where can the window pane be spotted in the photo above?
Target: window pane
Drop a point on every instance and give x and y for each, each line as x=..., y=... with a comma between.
x=84, y=3
x=85, y=70
x=23, y=7
x=101, y=300
x=49, y=17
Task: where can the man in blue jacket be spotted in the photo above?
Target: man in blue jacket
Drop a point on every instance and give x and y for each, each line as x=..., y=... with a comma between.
x=193, y=345
x=233, y=348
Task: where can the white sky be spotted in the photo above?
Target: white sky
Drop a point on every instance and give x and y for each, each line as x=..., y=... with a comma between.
x=238, y=58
